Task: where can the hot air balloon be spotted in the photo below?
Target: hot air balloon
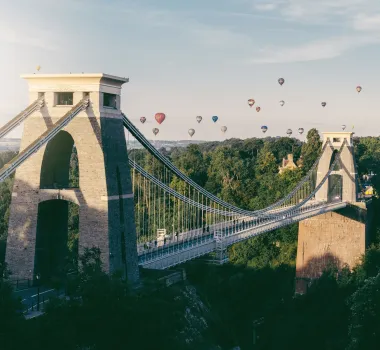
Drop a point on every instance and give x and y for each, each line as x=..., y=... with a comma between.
x=160, y=117
x=251, y=102
x=301, y=130
x=323, y=104
x=358, y=88
x=282, y=103
x=258, y=109
x=224, y=129
x=215, y=118
x=155, y=131
x=264, y=129
x=343, y=127
x=142, y=120
x=198, y=118
x=289, y=132
x=281, y=81
x=191, y=132
x=38, y=68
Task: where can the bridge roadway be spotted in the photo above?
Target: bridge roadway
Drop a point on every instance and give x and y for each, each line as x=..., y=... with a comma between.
x=195, y=246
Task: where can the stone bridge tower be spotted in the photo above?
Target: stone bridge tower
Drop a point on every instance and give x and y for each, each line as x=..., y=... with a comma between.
x=346, y=169
x=335, y=238
x=104, y=194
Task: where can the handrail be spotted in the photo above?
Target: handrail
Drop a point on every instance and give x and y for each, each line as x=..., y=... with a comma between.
x=19, y=118
x=11, y=167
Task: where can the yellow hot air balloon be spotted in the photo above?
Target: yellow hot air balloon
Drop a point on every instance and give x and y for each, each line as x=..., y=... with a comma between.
x=38, y=68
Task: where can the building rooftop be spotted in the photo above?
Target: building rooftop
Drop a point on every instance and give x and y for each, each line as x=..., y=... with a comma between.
x=75, y=76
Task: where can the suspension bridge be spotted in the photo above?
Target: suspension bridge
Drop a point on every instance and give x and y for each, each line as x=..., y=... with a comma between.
x=150, y=215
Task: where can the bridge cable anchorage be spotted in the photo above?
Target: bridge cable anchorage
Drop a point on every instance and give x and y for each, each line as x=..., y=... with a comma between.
x=11, y=166
x=19, y=118
x=137, y=134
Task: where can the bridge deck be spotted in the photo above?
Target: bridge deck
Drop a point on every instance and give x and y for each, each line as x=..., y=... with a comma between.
x=194, y=247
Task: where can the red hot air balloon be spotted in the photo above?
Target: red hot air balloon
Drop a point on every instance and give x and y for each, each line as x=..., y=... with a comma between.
x=258, y=109
x=160, y=117
x=251, y=102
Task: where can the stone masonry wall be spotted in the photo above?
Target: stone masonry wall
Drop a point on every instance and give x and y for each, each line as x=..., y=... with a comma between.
x=333, y=238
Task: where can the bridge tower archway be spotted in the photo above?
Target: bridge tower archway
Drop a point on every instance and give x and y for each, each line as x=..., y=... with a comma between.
x=346, y=167
x=98, y=135
x=59, y=158
x=56, y=250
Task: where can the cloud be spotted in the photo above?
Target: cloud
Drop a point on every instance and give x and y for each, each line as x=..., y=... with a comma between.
x=265, y=6
x=364, y=22
x=313, y=51
x=216, y=36
x=333, y=12
x=187, y=24
x=18, y=33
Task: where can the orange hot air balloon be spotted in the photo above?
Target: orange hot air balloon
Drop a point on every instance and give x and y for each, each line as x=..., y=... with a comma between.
x=160, y=117
x=258, y=109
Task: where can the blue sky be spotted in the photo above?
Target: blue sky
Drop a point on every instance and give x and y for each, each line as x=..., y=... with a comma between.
x=189, y=58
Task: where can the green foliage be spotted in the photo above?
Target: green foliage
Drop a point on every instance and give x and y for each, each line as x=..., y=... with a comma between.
x=73, y=237
x=74, y=169
x=10, y=317
x=5, y=200
x=193, y=164
x=311, y=149
x=364, y=329
x=101, y=312
x=340, y=310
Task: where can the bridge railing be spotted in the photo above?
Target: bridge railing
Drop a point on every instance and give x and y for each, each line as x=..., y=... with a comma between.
x=22, y=283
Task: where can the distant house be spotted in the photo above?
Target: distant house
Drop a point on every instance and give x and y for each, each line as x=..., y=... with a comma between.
x=288, y=163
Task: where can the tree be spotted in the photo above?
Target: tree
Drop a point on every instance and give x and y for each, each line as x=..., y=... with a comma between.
x=11, y=319
x=364, y=329
x=266, y=163
x=192, y=163
x=5, y=201
x=311, y=149
x=228, y=176
x=108, y=315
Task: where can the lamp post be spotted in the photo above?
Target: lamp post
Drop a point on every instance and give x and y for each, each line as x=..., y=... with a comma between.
x=38, y=291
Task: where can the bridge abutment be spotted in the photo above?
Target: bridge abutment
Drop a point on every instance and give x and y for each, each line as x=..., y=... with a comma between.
x=336, y=238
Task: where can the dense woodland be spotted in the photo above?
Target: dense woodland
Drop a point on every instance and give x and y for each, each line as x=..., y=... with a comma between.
x=219, y=307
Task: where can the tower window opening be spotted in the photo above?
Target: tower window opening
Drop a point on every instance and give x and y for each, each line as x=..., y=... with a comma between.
x=336, y=139
x=64, y=98
x=109, y=100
